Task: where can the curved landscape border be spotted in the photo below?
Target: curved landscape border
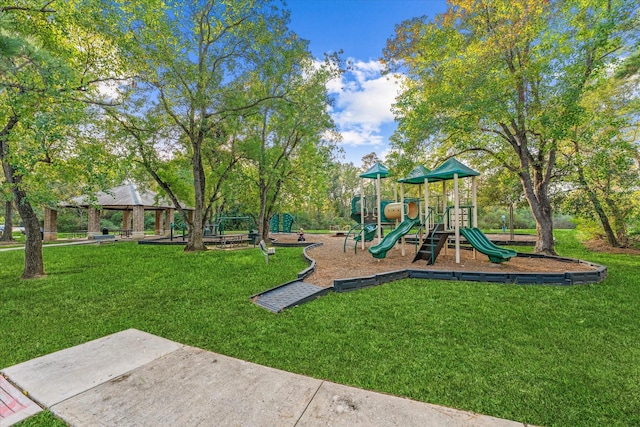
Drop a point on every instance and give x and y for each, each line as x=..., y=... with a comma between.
x=564, y=279
x=596, y=274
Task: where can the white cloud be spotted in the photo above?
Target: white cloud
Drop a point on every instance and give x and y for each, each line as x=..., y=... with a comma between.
x=359, y=137
x=383, y=156
x=363, y=103
x=366, y=70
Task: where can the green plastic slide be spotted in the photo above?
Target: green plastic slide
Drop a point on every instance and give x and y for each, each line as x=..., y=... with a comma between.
x=482, y=244
x=380, y=250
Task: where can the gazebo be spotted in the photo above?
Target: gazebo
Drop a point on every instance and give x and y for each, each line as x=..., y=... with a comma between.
x=127, y=198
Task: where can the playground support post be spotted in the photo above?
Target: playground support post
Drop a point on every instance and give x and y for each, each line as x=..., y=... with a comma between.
x=445, y=218
x=426, y=204
x=474, y=203
x=444, y=203
x=402, y=213
x=362, y=213
x=379, y=207
x=395, y=198
x=456, y=217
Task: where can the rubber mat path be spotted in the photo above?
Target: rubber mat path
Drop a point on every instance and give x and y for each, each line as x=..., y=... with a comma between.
x=288, y=295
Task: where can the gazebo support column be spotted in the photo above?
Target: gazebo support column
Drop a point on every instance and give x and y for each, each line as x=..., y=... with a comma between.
x=158, y=223
x=50, y=225
x=168, y=214
x=126, y=220
x=138, y=222
x=93, y=227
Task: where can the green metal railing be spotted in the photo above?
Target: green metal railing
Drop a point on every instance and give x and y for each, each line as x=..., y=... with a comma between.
x=362, y=231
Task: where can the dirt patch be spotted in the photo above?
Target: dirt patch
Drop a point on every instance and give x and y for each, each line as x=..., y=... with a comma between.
x=597, y=245
x=332, y=262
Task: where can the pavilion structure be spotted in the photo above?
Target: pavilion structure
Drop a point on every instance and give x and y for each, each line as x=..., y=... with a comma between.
x=127, y=198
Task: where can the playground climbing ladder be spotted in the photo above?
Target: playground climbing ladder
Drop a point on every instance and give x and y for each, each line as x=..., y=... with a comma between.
x=287, y=223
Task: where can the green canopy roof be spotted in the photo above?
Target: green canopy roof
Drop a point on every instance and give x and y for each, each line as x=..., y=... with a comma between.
x=416, y=176
x=446, y=171
x=375, y=170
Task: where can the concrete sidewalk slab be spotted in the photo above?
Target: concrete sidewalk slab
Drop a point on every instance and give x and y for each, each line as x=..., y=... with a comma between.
x=134, y=378
x=338, y=405
x=58, y=376
x=14, y=406
x=194, y=387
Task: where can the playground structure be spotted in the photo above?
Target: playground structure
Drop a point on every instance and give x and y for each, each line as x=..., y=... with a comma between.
x=436, y=224
x=217, y=228
x=329, y=270
x=287, y=223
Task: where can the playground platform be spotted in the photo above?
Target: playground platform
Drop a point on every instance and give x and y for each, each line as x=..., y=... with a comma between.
x=135, y=378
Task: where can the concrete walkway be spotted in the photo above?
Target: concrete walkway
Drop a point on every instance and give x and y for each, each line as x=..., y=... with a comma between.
x=52, y=245
x=133, y=378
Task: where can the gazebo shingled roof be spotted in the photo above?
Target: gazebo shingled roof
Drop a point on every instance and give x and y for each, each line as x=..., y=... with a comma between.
x=125, y=197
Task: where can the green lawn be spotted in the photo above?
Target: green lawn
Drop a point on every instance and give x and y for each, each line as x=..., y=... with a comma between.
x=545, y=355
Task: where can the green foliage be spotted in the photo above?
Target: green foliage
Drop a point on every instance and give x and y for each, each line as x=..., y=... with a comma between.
x=344, y=183
x=288, y=145
x=508, y=81
x=604, y=173
x=50, y=75
x=226, y=101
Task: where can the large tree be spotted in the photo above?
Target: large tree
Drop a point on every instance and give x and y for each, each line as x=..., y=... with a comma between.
x=288, y=141
x=196, y=59
x=604, y=173
x=506, y=79
x=50, y=62
x=344, y=183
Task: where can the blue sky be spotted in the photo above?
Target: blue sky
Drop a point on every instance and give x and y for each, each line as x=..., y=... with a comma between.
x=360, y=28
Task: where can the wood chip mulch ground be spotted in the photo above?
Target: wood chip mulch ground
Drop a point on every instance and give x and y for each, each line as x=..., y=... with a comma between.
x=332, y=262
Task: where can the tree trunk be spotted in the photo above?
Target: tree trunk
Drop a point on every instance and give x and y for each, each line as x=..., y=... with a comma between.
x=619, y=221
x=263, y=220
x=545, y=243
x=264, y=228
x=604, y=220
x=196, y=226
x=535, y=191
x=597, y=206
x=7, y=235
x=33, y=260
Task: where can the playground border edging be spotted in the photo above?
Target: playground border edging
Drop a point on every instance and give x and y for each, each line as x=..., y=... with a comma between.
x=312, y=266
x=355, y=283
x=561, y=279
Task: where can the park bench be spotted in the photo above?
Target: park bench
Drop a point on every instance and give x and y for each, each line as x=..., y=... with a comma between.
x=267, y=252
x=104, y=238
